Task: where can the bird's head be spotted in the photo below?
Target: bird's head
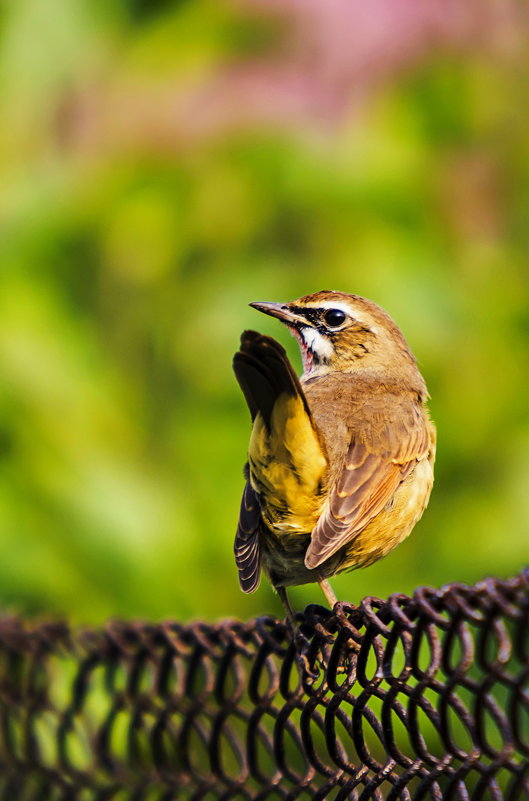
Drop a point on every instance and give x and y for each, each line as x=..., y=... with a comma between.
x=342, y=332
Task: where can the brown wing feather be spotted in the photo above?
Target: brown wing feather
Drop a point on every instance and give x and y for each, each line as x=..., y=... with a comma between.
x=388, y=439
x=246, y=548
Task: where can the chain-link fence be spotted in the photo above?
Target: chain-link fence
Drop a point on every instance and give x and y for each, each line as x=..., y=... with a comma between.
x=409, y=698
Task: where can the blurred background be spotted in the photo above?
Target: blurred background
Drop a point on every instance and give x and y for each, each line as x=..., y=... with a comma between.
x=165, y=163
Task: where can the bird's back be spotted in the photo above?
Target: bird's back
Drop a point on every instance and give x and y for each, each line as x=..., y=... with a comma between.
x=367, y=408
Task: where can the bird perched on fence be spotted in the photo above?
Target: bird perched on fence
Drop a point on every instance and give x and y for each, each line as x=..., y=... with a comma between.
x=340, y=462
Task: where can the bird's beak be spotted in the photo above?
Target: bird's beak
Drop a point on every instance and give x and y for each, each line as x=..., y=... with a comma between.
x=282, y=312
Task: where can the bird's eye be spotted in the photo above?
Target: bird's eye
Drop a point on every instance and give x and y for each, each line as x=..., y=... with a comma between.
x=334, y=317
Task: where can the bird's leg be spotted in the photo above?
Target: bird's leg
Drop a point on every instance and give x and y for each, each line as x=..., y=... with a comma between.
x=301, y=642
x=328, y=591
x=291, y=616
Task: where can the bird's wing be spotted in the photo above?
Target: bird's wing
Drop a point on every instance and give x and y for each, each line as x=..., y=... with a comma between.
x=390, y=435
x=264, y=373
x=286, y=458
x=246, y=548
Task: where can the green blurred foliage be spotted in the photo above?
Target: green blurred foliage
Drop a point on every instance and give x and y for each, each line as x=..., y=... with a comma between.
x=128, y=256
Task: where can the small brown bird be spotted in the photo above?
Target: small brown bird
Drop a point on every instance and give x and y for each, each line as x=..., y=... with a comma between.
x=340, y=462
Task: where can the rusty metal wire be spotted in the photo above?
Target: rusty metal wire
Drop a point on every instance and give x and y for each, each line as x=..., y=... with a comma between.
x=411, y=698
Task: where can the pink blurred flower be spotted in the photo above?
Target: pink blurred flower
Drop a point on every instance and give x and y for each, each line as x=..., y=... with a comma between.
x=331, y=56
x=335, y=52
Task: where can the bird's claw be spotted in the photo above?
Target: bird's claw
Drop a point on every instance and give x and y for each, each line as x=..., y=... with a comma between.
x=308, y=669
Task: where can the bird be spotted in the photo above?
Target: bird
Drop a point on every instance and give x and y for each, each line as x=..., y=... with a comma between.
x=340, y=461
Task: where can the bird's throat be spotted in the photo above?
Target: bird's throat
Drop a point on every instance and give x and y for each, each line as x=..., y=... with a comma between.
x=316, y=351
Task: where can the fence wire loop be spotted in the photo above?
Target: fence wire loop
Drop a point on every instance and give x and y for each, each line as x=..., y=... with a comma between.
x=422, y=697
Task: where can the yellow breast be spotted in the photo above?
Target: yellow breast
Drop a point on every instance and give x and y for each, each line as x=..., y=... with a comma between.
x=288, y=468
